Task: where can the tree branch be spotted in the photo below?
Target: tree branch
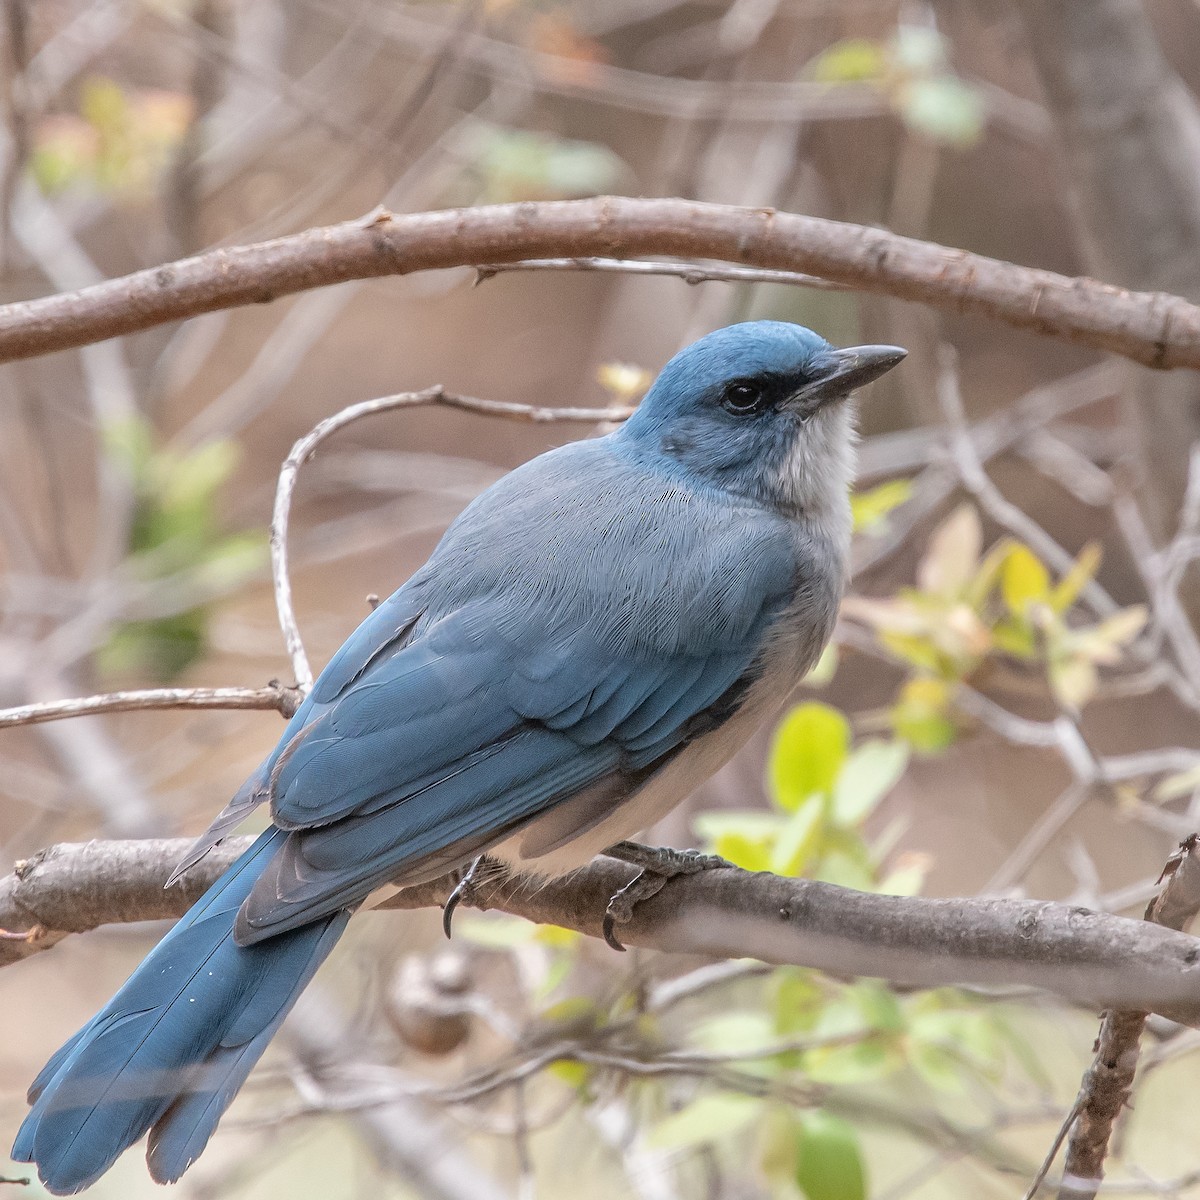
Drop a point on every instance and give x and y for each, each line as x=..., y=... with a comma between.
x=1108, y=1082
x=280, y=699
x=1151, y=328
x=1090, y=958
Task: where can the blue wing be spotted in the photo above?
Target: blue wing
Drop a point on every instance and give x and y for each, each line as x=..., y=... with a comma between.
x=577, y=626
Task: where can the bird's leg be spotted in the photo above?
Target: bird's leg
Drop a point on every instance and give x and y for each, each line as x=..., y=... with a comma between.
x=464, y=889
x=657, y=864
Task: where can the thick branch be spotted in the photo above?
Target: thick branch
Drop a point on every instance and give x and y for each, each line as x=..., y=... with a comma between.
x=1090, y=958
x=1151, y=328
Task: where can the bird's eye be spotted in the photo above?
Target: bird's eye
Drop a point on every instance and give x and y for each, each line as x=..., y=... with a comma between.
x=743, y=397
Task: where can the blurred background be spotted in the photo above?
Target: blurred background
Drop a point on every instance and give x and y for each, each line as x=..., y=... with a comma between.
x=1012, y=704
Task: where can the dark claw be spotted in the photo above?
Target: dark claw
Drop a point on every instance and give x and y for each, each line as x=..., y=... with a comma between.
x=462, y=891
x=658, y=865
x=610, y=935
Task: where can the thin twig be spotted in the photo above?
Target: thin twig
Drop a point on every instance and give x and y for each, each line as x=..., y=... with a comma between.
x=692, y=273
x=282, y=700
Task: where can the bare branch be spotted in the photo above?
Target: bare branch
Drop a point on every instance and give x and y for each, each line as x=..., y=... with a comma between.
x=1151, y=328
x=1091, y=958
x=1109, y=1080
x=282, y=700
x=691, y=273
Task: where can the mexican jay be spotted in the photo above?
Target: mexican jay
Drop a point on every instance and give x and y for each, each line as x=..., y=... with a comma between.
x=595, y=635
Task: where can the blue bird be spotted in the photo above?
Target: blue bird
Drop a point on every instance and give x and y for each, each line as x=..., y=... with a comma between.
x=595, y=635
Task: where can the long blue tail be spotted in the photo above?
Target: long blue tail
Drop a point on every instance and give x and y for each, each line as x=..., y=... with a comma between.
x=170, y=1050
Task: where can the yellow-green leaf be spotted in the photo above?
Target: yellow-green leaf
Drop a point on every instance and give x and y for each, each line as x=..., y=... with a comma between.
x=1024, y=581
x=828, y=1159
x=1081, y=573
x=709, y=1119
x=867, y=776
x=870, y=509
x=798, y=840
x=808, y=752
x=920, y=715
x=854, y=60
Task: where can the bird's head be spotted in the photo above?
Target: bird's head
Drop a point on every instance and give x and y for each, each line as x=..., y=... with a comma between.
x=759, y=410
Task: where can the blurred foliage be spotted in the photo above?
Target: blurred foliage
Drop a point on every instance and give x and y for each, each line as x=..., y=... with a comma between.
x=791, y=1033
x=911, y=68
x=870, y=509
x=970, y=608
x=118, y=143
x=625, y=383
x=793, y=1042
x=509, y=165
x=176, y=537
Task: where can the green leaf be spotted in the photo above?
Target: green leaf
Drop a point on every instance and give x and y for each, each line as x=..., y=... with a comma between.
x=855, y=60
x=711, y=1118
x=878, y=1004
x=944, y=108
x=937, y=1066
x=778, y=1136
x=743, y=837
x=517, y=164
x=231, y=560
x=808, y=752
x=1024, y=581
x=858, y=1062
x=161, y=648
x=578, y=1012
x=870, y=509
x=829, y=1164
x=920, y=718
x=1017, y=637
x=1186, y=783
x=798, y=1001
x=575, y=1075
x=867, y=776
x=799, y=839
x=1082, y=572
x=194, y=478
x=129, y=441
x=736, y=1032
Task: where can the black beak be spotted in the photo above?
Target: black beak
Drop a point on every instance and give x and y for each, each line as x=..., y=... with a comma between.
x=846, y=370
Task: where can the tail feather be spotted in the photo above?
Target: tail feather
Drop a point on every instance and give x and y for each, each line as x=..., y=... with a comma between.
x=172, y=1047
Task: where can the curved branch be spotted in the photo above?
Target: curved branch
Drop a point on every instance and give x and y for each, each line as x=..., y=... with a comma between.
x=1150, y=328
x=1090, y=958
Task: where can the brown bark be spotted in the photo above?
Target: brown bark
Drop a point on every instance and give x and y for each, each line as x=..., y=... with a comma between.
x=1155, y=329
x=1090, y=958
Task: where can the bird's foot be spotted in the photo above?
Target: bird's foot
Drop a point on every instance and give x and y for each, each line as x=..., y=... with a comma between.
x=464, y=889
x=657, y=865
